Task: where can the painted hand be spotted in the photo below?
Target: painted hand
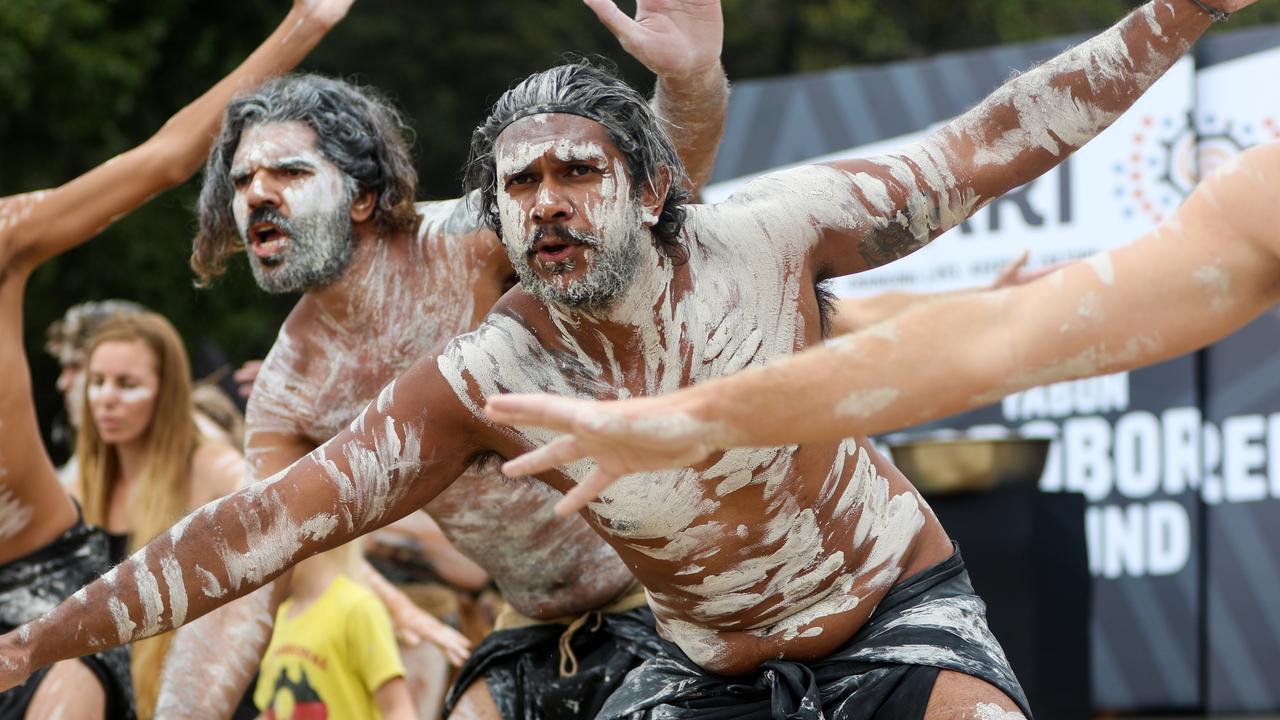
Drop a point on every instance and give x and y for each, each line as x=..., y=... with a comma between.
x=623, y=437
x=673, y=38
x=15, y=662
x=326, y=12
x=413, y=625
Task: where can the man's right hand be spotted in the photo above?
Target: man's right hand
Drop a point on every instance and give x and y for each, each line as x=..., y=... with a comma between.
x=672, y=38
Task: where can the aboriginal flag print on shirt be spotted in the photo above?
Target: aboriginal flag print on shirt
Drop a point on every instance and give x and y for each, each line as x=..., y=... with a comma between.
x=328, y=660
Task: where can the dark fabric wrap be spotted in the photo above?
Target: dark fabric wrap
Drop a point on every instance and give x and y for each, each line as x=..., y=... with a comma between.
x=933, y=621
x=522, y=665
x=35, y=584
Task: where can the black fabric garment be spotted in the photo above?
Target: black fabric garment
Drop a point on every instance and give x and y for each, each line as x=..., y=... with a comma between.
x=522, y=666
x=32, y=585
x=117, y=547
x=931, y=622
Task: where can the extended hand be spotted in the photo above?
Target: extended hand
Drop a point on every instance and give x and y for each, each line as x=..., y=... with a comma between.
x=673, y=38
x=623, y=437
x=413, y=625
x=326, y=12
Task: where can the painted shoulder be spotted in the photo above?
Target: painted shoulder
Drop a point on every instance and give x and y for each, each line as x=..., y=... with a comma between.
x=279, y=393
x=791, y=209
x=459, y=216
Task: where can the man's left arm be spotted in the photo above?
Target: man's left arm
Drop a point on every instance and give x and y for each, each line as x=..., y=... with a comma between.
x=679, y=41
x=903, y=200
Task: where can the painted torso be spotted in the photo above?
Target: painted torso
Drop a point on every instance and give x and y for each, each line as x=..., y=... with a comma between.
x=321, y=373
x=762, y=552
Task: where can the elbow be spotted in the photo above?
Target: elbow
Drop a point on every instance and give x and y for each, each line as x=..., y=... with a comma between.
x=169, y=162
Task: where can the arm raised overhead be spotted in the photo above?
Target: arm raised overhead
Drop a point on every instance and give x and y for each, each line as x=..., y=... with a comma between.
x=900, y=201
x=679, y=41
x=37, y=226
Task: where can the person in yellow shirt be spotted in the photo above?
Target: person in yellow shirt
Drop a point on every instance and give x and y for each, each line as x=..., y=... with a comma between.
x=333, y=653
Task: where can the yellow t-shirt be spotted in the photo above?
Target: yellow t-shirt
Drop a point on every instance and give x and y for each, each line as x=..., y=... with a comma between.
x=328, y=661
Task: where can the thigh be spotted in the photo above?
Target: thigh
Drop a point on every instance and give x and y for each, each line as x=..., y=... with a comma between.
x=70, y=691
x=476, y=704
x=957, y=696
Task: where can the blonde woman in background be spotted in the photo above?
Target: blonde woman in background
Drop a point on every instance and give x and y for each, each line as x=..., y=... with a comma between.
x=143, y=461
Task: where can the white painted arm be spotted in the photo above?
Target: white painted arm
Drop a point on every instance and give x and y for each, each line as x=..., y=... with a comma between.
x=374, y=472
x=902, y=200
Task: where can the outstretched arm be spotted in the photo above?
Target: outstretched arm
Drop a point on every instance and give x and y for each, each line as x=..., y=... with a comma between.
x=680, y=42
x=37, y=226
x=376, y=471
x=902, y=200
x=1200, y=276
x=860, y=313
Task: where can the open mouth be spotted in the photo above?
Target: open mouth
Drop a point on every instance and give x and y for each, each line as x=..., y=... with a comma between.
x=267, y=241
x=554, y=249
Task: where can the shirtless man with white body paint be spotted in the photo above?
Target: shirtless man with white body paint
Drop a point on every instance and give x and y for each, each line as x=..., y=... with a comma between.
x=383, y=290
x=819, y=563
x=46, y=553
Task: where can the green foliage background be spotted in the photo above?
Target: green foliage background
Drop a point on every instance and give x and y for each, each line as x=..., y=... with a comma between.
x=82, y=80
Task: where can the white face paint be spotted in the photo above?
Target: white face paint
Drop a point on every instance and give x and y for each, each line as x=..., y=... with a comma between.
x=571, y=225
x=122, y=388
x=292, y=207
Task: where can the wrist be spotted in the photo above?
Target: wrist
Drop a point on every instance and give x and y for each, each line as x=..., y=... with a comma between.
x=307, y=23
x=1215, y=13
x=695, y=79
x=711, y=411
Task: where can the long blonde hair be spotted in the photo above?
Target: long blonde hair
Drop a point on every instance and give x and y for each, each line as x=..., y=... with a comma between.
x=162, y=491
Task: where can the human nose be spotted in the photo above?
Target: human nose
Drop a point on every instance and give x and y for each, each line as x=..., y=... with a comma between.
x=550, y=205
x=262, y=192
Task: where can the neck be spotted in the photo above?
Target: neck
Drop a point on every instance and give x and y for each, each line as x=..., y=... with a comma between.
x=313, y=576
x=356, y=300
x=132, y=457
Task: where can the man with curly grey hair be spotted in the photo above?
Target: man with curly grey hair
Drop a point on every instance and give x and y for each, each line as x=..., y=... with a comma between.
x=311, y=177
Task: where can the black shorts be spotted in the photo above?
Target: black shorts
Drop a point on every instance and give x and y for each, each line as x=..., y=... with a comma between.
x=886, y=671
x=522, y=666
x=34, y=584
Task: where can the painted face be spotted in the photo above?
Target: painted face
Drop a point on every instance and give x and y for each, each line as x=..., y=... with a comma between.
x=571, y=224
x=292, y=208
x=123, y=382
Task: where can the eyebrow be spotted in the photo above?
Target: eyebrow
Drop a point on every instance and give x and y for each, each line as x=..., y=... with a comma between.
x=290, y=163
